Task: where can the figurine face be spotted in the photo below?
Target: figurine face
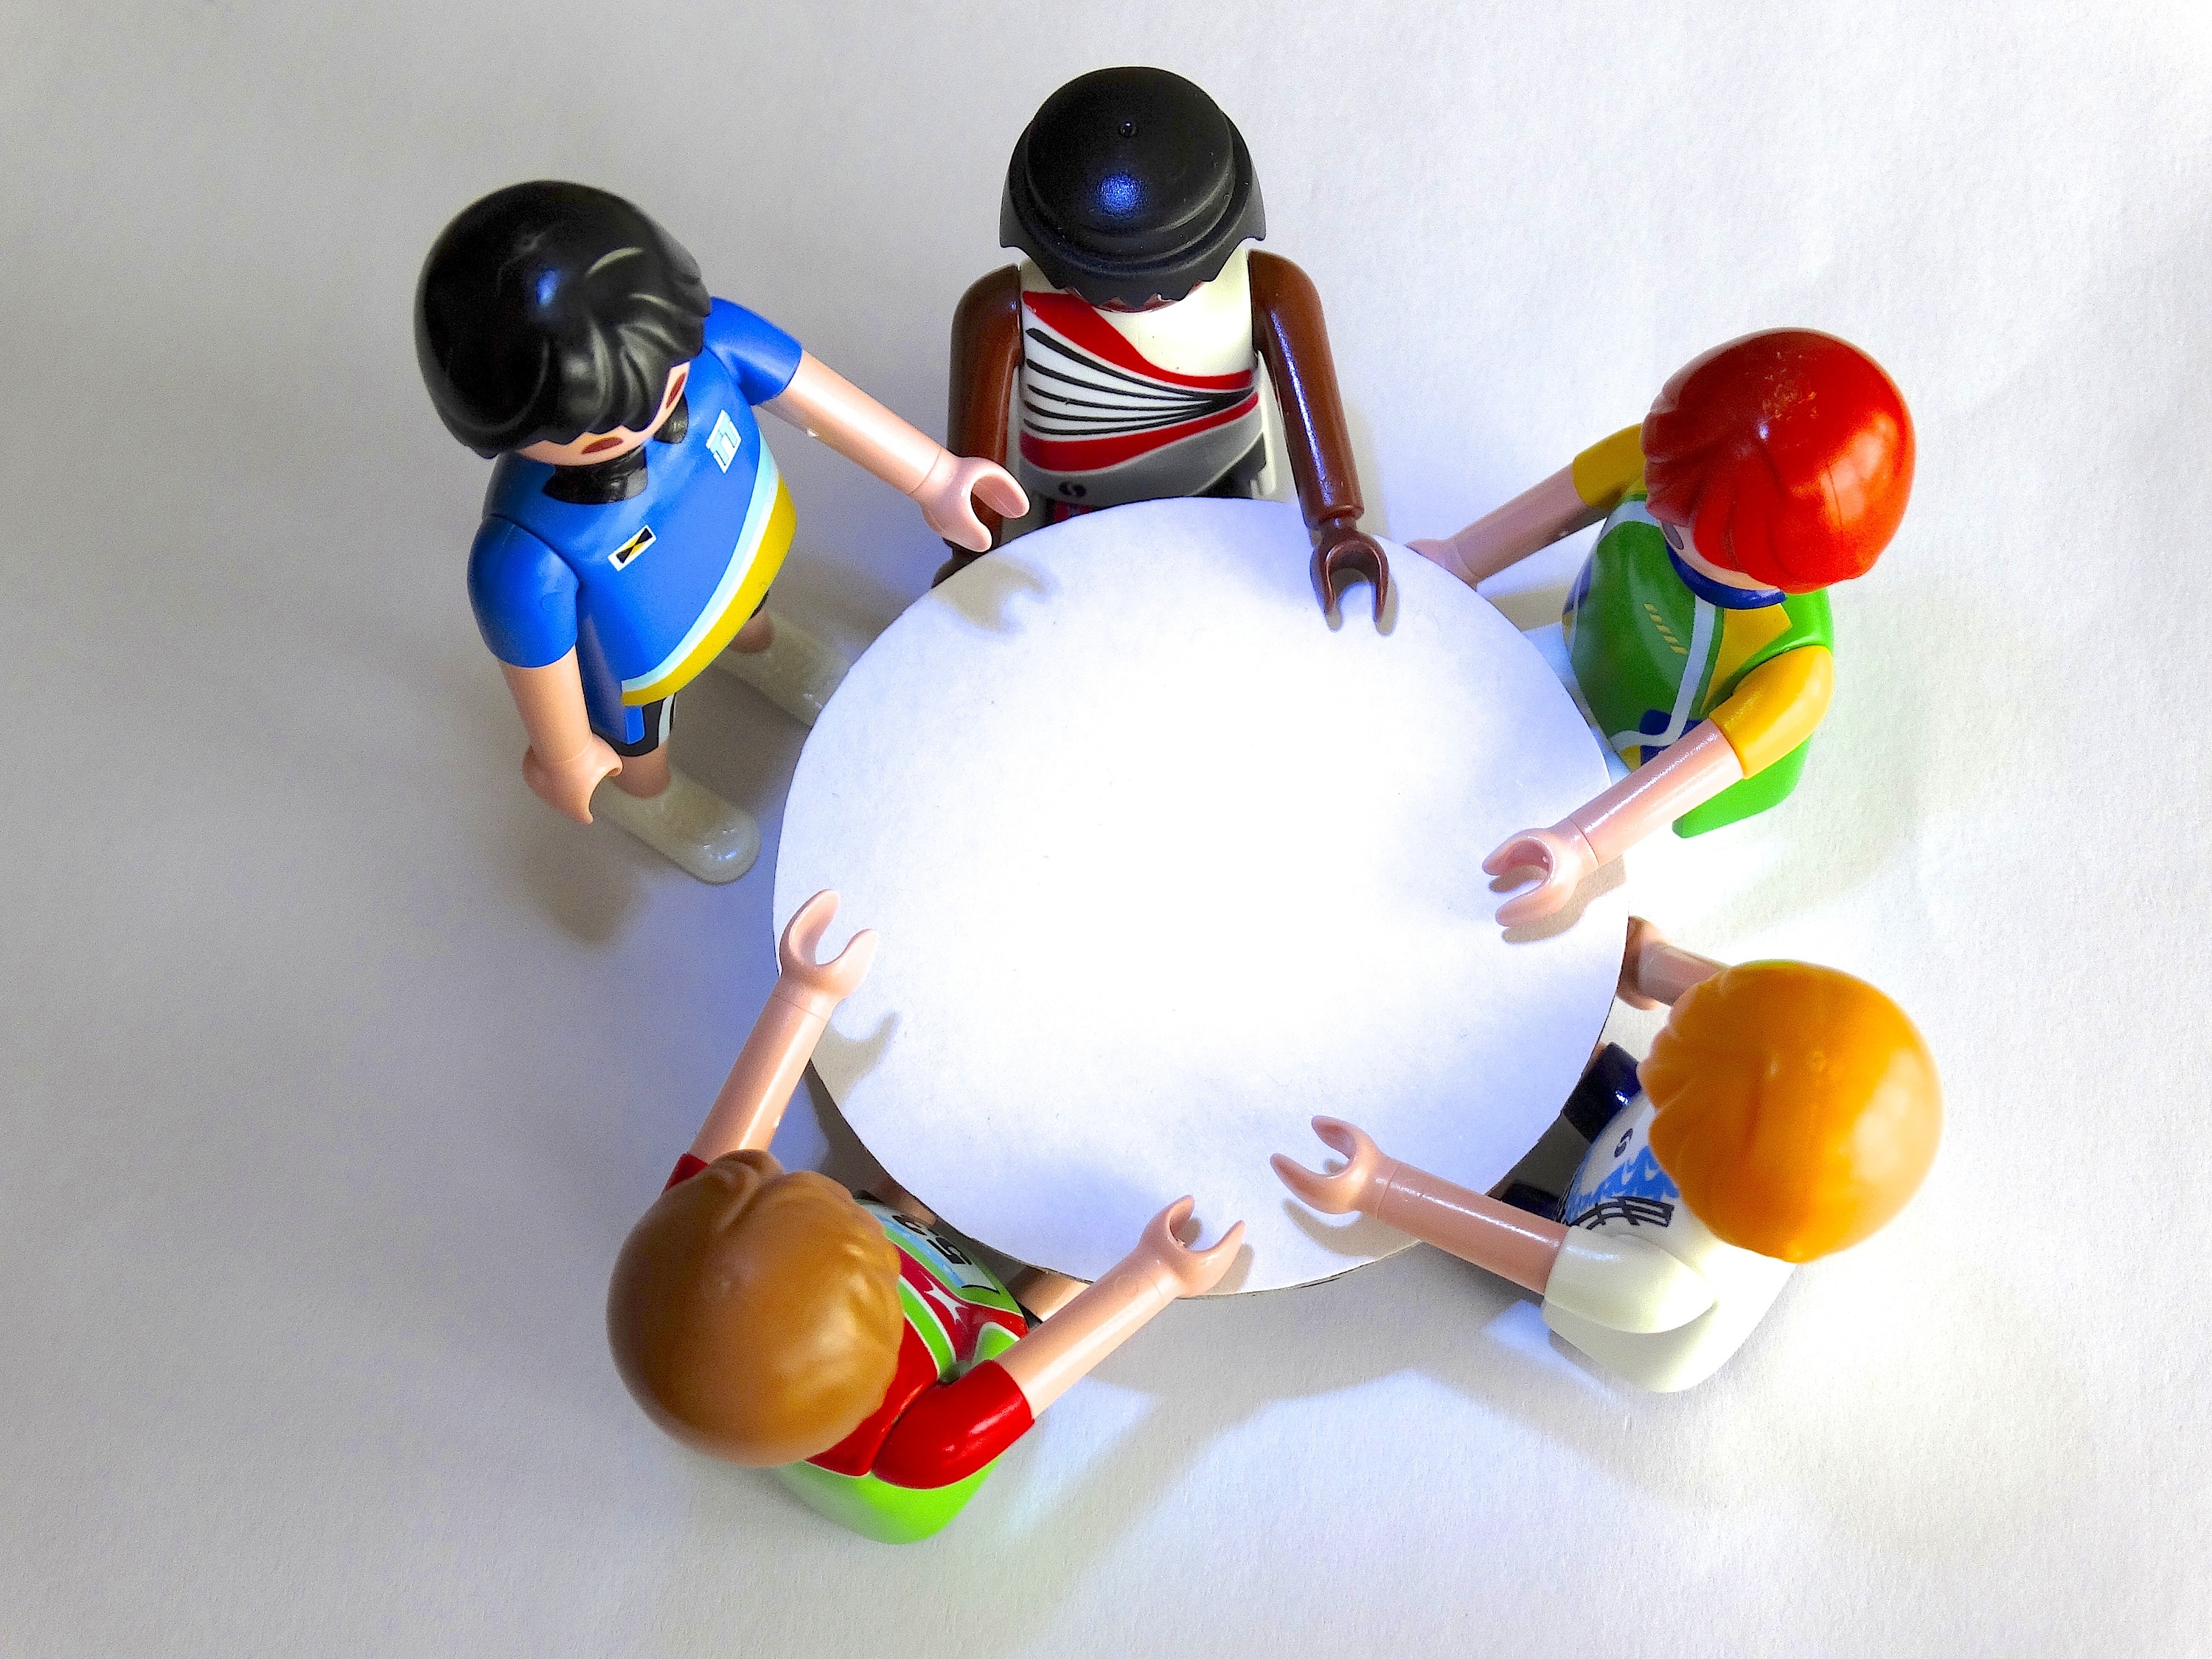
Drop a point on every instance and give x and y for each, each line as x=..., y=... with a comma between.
x=592, y=447
x=1678, y=538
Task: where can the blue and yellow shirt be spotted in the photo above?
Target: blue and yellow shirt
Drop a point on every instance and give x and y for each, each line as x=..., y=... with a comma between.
x=648, y=588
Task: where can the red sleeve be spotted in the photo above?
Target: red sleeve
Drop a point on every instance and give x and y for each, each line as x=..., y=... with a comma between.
x=954, y=1429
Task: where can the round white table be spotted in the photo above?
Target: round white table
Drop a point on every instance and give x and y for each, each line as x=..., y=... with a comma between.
x=1163, y=865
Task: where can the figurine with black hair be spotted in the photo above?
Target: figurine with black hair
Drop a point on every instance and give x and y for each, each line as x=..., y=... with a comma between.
x=636, y=517
x=1131, y=334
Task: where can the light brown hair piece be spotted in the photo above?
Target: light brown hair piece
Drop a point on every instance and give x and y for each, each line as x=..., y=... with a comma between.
x=754, y=1315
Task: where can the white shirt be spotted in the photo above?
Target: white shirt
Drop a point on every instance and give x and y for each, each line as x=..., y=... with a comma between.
x=1621, y=1190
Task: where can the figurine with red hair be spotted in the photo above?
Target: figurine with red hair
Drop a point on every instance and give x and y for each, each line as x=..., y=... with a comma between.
x=1698, y=637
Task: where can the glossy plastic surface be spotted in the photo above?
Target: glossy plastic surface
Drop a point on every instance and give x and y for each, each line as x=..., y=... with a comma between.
x=1788, y=453
x=1798, y=1108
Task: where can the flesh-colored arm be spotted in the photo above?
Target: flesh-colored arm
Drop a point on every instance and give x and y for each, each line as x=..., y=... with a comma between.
x=744, y=1116
x=1533, y=520
x=566, y=758
x=1773, y=710
x=1048, y=1362
x=1575, y=496
x=824, y=404
x=1619, y=1281
x=1688, y=774
x=1653, y=971
x=1510, y=1242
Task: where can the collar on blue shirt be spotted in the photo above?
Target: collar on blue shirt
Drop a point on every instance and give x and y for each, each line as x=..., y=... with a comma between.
x=1720, y=593
x=602, y=483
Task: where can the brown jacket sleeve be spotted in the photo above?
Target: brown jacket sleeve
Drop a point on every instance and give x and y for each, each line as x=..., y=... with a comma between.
x=986, y=349
x=1293, y=340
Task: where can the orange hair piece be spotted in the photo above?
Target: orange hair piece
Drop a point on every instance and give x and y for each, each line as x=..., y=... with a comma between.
x=1788, y=455
x=1797, y=1107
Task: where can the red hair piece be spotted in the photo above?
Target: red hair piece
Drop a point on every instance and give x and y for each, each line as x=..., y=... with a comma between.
x=1787, y=454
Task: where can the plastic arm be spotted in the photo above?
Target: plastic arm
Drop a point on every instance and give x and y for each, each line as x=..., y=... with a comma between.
x=1622, y=1282
x=744, y=1116
x=1654, y=971
x=986, y=355
x=824, y=404
x=1048, y=1362
x=1510, y=1242
x=566, y=758
x=1533, y=520
x=1291, y=337
x=1688, y=774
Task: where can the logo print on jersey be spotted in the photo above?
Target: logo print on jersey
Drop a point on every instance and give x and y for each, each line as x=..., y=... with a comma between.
x=1089, y=399
x=723, y=441
x=621, y=557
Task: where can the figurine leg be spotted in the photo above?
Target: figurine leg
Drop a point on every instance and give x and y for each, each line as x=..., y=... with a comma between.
x=680, y=818
x=785, y=664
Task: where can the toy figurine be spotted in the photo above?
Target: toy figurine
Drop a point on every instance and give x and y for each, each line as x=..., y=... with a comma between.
x=773, y=1319
x=1131, y=333
x=1699, y=632
x=635, y=518
x=1785, y=1112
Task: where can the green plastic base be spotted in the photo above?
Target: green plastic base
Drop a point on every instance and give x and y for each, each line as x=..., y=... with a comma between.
x=876, y=1509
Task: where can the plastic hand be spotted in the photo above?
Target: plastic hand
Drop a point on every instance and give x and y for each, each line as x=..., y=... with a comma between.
x=1344, y=556
x=1561, y=858
x=1351, y=1188
x=947, y=498
x=821, y=984
x=566, y=787
x=1177, y=1266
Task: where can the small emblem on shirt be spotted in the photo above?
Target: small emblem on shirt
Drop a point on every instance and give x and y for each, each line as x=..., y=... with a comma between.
x=722, y=442
x=621, y=557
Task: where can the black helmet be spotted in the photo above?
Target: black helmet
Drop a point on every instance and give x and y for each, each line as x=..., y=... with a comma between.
x=1130, y=184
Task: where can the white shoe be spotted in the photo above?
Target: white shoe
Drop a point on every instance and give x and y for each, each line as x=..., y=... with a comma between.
x=795, y=670
x=687, y=824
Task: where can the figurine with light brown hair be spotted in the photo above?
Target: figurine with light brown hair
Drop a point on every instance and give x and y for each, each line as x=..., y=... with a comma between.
x=773, y=1319
x=1784, y=1112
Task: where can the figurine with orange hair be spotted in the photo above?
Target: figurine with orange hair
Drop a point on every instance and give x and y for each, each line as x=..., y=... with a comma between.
x=1698, y=633
x=1784, y=1112
x=774, y=1319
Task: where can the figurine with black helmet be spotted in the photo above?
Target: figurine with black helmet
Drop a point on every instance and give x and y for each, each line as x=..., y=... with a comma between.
x=635, y=518
x=1130, y=335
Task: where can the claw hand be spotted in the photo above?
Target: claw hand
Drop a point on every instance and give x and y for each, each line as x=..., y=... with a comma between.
x=1189, y=1272
x=1347, y=555
x=825, y=984
x=948, y=495
x=1353, y=1186
x=1561, y=858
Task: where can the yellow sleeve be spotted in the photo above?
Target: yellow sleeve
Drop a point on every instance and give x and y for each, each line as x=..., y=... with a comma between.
x=1610, y=468
x=1777, y=706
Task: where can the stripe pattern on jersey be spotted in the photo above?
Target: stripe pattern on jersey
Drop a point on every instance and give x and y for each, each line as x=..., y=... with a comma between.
x=1090, y=399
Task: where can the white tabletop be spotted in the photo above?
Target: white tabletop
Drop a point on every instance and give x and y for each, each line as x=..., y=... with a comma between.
x=1163, y=864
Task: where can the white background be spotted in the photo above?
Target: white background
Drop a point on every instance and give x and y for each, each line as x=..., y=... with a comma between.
x=337, y=1066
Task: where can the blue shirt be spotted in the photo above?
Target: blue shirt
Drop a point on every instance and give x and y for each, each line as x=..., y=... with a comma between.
x=647, y=589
